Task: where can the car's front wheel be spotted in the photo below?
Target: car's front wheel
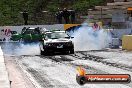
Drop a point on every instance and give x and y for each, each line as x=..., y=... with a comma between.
x=72, y=51
x=45, y=52
x=41, y=52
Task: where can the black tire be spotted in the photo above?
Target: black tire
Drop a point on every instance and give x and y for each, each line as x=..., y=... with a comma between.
x=51, y=52
x=72, y=51
x=46, y=52
x=41, y=52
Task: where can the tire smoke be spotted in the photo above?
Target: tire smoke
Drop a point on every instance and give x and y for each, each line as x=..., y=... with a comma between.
x=86, y=38
x=20, y=49
x=29, y=49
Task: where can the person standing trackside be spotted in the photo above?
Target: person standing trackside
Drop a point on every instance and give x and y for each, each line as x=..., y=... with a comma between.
x=66, y=15
x=72, y=17
x=59, y=16
x=25, y=17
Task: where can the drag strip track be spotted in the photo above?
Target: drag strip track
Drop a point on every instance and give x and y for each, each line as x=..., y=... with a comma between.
x=39, y=74
x=59, y=71
x=44, y=82
x=67, y=59
x=100, y=59
x=85, y=56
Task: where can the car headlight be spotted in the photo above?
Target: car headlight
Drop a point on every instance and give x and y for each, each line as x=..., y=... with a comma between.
x=46, y=44
x=69, y=43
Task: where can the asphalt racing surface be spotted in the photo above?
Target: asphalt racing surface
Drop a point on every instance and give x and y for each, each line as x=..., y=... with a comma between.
x=59, y=70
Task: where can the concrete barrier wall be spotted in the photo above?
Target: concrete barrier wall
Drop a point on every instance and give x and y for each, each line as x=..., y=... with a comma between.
x=120, y=32
x=127, y=42
x=4, y=30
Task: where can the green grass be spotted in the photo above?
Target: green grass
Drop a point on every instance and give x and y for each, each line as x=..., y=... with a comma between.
x=10, y=10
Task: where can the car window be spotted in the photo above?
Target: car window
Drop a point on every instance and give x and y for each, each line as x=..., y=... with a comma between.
x=36, y=32
x=28, y=32
x=57, y=35
x=48, y=36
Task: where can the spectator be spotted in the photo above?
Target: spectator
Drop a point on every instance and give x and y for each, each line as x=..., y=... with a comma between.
x=95, y=26
x=66, y=15
x=59, y=16
x=109, y=24
x=72, y=16
x=37, y=30
x=25, y=16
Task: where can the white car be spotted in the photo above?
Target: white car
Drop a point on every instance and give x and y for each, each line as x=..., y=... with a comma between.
x=56, y=41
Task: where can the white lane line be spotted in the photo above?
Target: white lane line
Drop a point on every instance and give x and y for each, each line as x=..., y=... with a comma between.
x=32, y=79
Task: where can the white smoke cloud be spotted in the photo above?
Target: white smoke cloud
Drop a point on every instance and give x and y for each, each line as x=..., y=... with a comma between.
x=21, y=49
x=29, y=49
x=85, y=38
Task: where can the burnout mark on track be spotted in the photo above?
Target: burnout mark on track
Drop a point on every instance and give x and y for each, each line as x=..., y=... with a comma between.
x=101, y=59
x=44, y=82
x=57, y=58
